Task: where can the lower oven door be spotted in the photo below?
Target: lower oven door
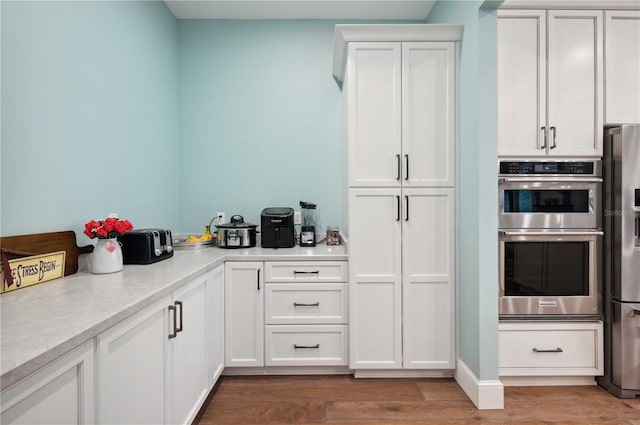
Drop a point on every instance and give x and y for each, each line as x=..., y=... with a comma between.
x=550, y=273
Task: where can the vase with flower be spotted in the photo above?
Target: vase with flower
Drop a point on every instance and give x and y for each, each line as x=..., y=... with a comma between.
x=107, y=254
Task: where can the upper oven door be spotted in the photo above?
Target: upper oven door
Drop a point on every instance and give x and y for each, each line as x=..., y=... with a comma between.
x=536, y=203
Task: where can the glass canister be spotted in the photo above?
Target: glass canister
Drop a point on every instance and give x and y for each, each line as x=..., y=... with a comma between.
x=333, y=235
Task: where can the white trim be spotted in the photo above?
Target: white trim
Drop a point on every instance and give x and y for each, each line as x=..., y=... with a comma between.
x=487, y=394
x=572, y=4
x=531, y=381
x=344, y=34
x=287, y=370
x=403, y=373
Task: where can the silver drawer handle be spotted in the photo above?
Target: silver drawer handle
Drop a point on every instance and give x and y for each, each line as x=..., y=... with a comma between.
x=316, y=304
x=557, y=350
x=296, y=346
x=303, y=272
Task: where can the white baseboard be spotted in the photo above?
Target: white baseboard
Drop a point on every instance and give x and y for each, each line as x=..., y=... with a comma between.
x=530, y=381
x=287, y=370
x=484, y=394
x=402, y=373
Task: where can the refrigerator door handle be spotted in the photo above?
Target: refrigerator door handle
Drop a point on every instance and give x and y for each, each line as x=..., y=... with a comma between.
x=636, y=311
x=637, y=226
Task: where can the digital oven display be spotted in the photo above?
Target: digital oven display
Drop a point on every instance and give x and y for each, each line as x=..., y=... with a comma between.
x=545, y=168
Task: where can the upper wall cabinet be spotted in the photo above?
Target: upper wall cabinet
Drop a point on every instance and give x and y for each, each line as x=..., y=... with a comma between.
x=622, y=73
x=550, y=83
x=401, y=114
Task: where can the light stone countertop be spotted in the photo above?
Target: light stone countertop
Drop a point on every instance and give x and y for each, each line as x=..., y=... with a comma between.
x=41, y=323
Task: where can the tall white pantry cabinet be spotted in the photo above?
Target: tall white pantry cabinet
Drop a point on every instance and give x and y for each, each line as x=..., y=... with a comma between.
x=400, y=100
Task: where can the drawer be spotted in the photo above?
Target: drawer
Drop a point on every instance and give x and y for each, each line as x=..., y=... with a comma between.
x=305, y=271
x=306, y=303
x=551, y=348
x=315, y=345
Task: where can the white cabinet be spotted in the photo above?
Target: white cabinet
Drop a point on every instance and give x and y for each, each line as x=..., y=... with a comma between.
x=550, y=349
x=244, y=314
x=152, y=367
x=550, y=83
x=133, y=358
x=402, y=278
x=306, y=313
x=189, y=384
x=60, y=393
x=622, y=63
x=400, y=102
x=215, y=324
x=401, y=114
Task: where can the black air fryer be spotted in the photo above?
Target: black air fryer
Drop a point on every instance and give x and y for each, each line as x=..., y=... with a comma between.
x=276, y=228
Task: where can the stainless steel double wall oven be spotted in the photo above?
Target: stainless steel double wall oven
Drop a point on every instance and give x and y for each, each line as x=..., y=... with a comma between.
x=550, y=237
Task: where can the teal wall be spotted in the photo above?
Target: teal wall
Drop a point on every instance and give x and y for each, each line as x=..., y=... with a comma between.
x=478, y=226
x=89, y=114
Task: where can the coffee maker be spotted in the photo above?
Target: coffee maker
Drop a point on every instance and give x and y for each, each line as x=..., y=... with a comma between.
x=309, y=224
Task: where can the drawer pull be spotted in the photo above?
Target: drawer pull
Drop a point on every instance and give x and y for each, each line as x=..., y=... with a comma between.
x=316, y=304
x=304, y=272
x=296, y=346
x=556, y=350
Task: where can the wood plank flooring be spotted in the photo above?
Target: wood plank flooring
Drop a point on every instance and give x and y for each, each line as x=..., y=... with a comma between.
x=344, y=400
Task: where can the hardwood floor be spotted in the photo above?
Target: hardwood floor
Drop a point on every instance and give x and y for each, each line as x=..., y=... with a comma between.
x=342, y=399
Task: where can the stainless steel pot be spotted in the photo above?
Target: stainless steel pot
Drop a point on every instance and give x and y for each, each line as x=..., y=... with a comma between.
x=236, y=233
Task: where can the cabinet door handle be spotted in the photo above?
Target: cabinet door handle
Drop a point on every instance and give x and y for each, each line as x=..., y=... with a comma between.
x=173, y=334
x=406, y=168
x=544, y=133
x=399, y=165
x=406, y=215
x=316, y=304
x=258, y=279
x=296, y=346
x=306, y=272
x=397, y=207
x=553, y=141
x=637, y=226
x=179, y=304
x=554, y=350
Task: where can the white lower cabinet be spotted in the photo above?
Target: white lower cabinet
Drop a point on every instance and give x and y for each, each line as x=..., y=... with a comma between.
x=244, y=314
x=60, y=393
x=551, y=349
x=215, y=324
x=402, y=278
x=153, y=367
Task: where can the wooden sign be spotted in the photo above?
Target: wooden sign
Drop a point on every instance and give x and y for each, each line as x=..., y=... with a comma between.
x=28, y=271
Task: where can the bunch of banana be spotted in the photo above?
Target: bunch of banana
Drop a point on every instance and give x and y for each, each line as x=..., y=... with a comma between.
x=206, y=236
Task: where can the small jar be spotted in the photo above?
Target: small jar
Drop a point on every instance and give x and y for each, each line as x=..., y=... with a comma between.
x=333, y=235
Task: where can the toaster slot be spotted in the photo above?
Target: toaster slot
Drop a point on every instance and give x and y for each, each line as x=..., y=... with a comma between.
x=157, y=246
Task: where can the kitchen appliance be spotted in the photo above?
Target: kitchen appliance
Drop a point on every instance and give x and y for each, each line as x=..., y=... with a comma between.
x=550, y=238
x=309, y=223
x=622, y=260
x=146, y=246
x=236, y=233
x=276, y=224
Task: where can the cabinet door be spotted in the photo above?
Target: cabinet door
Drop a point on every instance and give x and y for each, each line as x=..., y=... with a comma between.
x=622, y=62
x=521, y=82
x=374, y=114
x=428, y=278
x=244, y=314
x=133, y=365
x=375, y=305
x=428, y=114
x=60, y=393
x=189, y=382
x=575, y=83
x=215, y=324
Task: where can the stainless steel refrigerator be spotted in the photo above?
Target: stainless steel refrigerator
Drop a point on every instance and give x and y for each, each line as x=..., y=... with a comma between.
x=621, y=302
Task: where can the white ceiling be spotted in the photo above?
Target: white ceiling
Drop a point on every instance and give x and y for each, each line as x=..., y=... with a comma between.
x=301, y=9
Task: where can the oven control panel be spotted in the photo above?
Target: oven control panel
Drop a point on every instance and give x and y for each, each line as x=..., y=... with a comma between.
x=547, y=168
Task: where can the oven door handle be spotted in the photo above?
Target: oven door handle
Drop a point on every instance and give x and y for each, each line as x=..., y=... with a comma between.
x=505, y=180
x=547, y=233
